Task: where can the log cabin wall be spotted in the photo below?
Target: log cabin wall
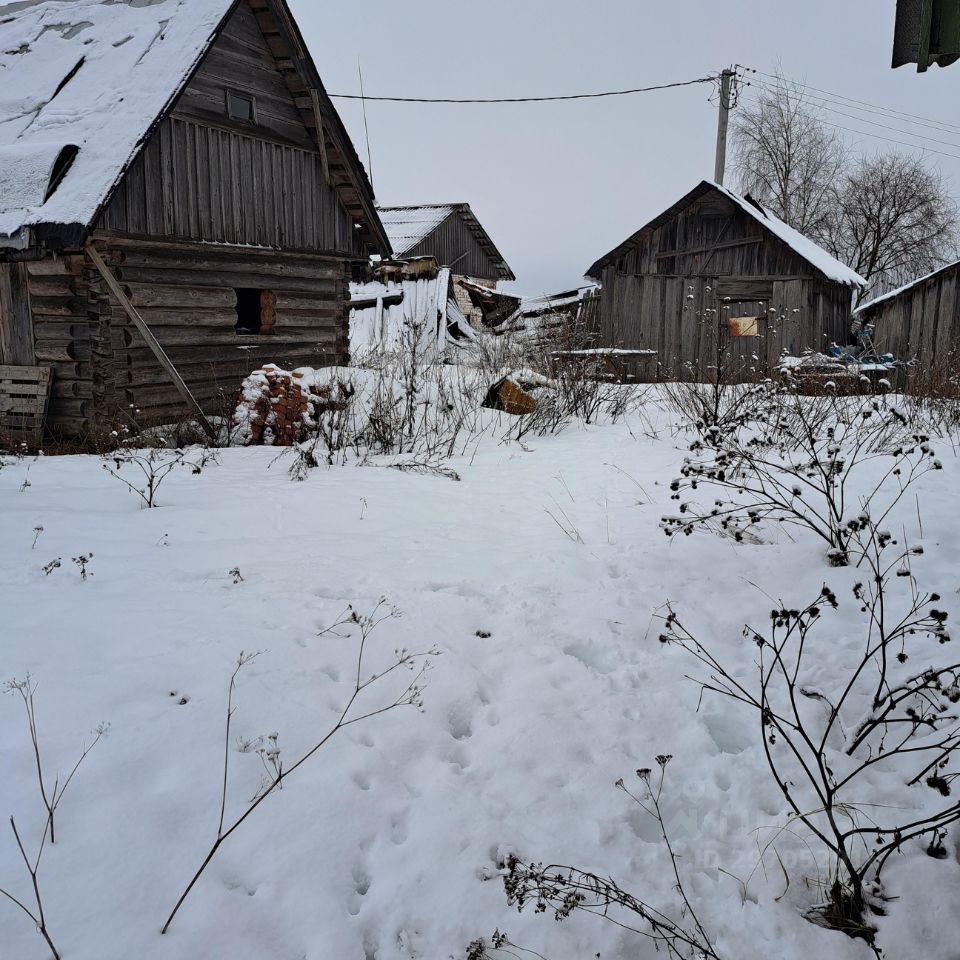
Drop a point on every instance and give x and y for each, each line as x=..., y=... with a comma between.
x=708, y=264
x=188, y=296
x=65, y=327
x=212, y=212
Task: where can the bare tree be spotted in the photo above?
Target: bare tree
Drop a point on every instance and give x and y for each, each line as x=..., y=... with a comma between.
x=889, y=216
x=786, y=157
x=893, y=220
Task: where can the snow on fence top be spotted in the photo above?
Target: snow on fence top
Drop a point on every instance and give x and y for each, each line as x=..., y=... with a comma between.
x=815, y=255
x=90, y=78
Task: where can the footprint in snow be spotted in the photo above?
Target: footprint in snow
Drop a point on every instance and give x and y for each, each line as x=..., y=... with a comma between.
x=728, y=735
x=361, y=779
x=459, y=723
x=398, y=828
x=457, y=759
x=361, y=884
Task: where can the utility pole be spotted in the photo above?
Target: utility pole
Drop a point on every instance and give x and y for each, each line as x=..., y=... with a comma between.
x=727, y=81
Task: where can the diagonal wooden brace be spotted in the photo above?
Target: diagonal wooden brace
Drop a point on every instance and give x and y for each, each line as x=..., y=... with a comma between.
x=151, y=340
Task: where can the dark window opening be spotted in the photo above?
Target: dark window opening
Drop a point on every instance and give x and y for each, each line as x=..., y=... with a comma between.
x=248, y=311
x=256, y=311
x=240, y=107
x=61, y=167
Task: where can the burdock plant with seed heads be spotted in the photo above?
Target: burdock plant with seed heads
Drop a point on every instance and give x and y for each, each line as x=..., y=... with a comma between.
x=82, y=562
x=831, y=465
x=891, y=712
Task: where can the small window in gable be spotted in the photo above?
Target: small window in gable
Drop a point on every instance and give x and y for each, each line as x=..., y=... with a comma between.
x=241, y=107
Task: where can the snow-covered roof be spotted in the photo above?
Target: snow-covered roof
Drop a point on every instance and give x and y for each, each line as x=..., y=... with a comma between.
x=409, y=226
x=906, y=287
x=93, y=74
x=803, y=246
x=95, y=77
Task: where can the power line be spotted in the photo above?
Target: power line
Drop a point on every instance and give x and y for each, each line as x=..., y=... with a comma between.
x=572, y=96
x=850, y=116
x=941, y=125
x=885, y=114
x=877, y=136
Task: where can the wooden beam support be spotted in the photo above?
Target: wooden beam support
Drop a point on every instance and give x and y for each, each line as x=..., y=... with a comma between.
x=321, y=136
x=745, y=242
x=150, y=339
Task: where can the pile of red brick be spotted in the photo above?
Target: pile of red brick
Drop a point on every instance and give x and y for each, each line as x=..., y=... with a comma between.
x=281, y=407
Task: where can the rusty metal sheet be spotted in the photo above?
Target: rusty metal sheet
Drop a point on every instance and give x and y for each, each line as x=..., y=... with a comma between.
x=744, y=326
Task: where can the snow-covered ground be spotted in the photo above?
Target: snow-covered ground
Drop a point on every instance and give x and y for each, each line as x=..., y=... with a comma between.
x=551, y=685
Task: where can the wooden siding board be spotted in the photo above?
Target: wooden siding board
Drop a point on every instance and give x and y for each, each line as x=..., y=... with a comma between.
x=729, y=253
x=202, y=176
x=16, y=323
x=453, y=244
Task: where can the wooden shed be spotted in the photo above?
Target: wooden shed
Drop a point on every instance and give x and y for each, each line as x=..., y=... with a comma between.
x=455, y=238
x=716, y=272
x=181, y=163
x=920, y=321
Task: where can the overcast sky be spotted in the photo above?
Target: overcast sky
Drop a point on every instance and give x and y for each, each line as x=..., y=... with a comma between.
x=558, y=185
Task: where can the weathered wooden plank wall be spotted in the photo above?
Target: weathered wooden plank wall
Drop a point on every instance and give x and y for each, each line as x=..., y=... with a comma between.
x=681, y=318
x=198, y=182
x=454, y=245
x=242, y=61
x=16, y=329
x=676, y=289
x=923, y=323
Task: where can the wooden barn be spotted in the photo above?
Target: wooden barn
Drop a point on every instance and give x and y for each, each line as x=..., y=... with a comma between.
x=179, y=204
x=455, y=238
x=719, y=272
x=920, y=321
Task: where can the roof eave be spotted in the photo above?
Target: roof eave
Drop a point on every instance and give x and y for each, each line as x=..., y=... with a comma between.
x=340, y=135
x=705, y=186
x=462, y=210
x=483, y=238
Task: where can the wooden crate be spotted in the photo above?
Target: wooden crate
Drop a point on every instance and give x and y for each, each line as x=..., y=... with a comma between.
x=24, y=395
